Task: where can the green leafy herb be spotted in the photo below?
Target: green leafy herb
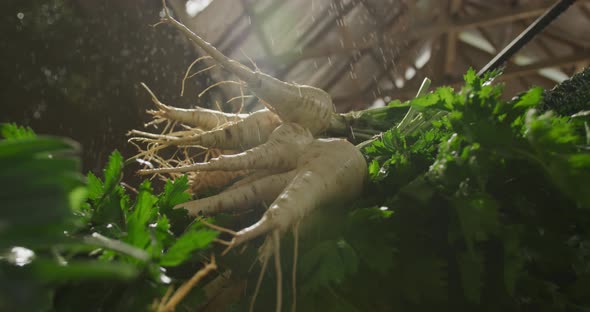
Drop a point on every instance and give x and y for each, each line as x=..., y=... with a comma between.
x=328, y=263
x=13, y=131
x=58, y=232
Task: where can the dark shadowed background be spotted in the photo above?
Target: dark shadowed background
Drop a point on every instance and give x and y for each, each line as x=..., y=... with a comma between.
x=73, y=68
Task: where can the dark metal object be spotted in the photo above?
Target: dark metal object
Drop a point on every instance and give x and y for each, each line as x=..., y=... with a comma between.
x=529, y=33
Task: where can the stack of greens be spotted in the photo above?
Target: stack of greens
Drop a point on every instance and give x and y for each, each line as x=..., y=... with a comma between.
x=485, y=206
x=476, y=204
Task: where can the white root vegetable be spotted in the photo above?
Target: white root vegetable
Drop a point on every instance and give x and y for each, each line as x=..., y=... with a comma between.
x=202, y=118
x=285, y=143
x=252, y=176
x=330, y=170
x=241, y=197
x=202, y=181
x=246, y=133
x=308, y=106
x=243, y=134
x=289, y=168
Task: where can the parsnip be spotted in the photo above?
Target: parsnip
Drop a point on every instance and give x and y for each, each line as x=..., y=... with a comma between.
x=202, y=118
x=253, y=176
x=242, y=197
x=308, y=106
x=285, y=143
x=330, y=170
x=289, y=168
x=240, y=135
x=202, y=181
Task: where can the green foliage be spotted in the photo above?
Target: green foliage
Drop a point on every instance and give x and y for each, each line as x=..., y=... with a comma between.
x=185, y=245
x=503, y=185
x=144, y=225
x=12, y=131
x=41, y=186
x=65, y=242
x=327, y=263
x=36, y=172
x=108, y=198
x=478, y=204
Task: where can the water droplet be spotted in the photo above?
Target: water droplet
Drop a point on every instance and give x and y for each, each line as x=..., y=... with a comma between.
x=165, y=279
x=20, y=15
x=21, y=256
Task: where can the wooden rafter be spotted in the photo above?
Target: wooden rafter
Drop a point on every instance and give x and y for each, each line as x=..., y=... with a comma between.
x=258, y=29
x=369, y=93
x=573, y=59
x=392, y=38
x=357, y=56
x=229, y=46
x=305, y=41
x=451, y=45
x=485, y=56
x=512, y=71
x=451, y=19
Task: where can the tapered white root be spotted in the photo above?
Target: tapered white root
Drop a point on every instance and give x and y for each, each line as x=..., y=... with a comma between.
x=255, y=175
x=265, y=252
x=243, y=134
x=202, y=118
x=315, y=172
x=310, y=107
x=270, y=248
x=188, y=70
x=242, y=197
x=312, y=186
x=281, y=151
x=211, y=180
x=216, y=227
x=316, y=183
x=276, y=239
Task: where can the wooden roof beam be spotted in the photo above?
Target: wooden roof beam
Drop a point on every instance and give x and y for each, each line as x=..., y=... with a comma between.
x=451, y=44
x=512, y=71
x=390, y=23
x=389, y=38
x=231, y=45
x=258, y=29
x=575, y=58
x=315, y=38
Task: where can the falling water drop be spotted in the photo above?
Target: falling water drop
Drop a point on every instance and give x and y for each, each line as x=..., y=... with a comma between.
x=20, y=256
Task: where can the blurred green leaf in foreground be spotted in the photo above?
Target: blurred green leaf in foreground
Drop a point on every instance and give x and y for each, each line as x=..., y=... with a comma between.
x=66, y=239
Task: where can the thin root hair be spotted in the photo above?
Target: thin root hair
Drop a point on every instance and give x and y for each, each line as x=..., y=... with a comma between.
x=186, y=74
